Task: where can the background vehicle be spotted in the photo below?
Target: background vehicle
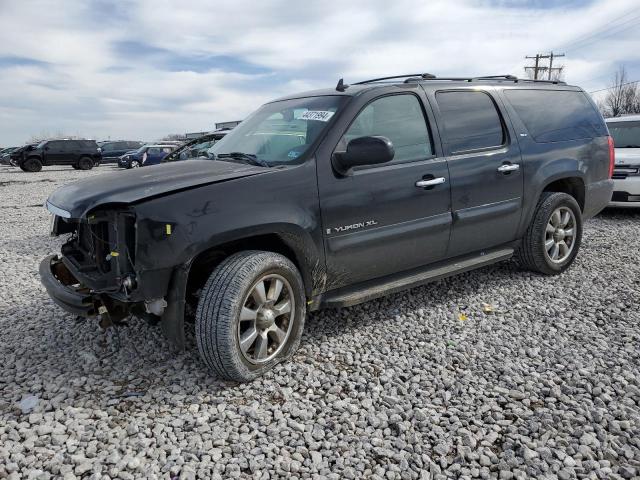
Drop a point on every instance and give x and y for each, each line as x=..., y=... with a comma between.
x=19, y=154
x=331, y=198
x=112, y=151
x=195, y=148
x=625, y=131
x=145, y=155
x=80, y=154
x=5, y=155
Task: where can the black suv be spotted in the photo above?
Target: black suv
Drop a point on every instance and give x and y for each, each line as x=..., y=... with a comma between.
x=80, y=154
x=330, y=198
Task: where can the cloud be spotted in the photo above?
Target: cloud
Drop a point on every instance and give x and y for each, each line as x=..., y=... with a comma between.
x=142, y=69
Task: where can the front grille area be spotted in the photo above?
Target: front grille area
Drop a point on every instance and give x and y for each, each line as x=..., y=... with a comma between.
x=621, y=172
x=624, y=197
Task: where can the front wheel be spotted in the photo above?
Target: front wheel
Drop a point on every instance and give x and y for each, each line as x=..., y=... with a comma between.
x=553, y=239
x=135, y=164
x=250, y=315
x=31, y=165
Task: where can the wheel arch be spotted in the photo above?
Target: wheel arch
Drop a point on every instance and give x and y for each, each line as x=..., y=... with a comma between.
x=556, y=177
x=573, y=186
x=288, y=240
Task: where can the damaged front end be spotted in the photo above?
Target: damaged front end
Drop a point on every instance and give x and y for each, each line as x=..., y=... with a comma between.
x=95, y=275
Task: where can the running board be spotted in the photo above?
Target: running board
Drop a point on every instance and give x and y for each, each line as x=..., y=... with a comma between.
x=348, y=296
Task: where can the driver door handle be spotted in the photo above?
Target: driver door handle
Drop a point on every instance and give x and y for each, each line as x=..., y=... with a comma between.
x=508, y=167
x=430, y=183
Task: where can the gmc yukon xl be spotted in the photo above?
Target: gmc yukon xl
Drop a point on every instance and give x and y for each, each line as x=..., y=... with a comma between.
x=330, y=198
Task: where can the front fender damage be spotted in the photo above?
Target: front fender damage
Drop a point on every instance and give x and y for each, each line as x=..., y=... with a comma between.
x=172, y=320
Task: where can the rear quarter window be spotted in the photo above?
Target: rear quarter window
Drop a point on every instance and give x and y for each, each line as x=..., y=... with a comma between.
x=557, y=115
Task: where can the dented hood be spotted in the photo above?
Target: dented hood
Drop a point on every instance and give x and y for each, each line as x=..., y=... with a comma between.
x=130, y=186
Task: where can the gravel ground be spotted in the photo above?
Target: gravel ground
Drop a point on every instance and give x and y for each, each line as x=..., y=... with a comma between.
x=426, y=384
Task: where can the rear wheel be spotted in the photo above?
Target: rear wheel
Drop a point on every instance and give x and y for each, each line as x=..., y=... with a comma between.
x=85, y=163
x=553, y=239
x=31, y=165
x=250, y=315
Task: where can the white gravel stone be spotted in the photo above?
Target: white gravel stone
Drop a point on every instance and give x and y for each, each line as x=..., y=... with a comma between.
x=546, y=386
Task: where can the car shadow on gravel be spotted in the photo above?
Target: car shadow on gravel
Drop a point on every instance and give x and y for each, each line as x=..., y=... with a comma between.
x=456, y=289
x=613, y=213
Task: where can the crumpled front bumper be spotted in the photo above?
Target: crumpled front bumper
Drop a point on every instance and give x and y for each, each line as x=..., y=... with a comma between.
x=64, y=289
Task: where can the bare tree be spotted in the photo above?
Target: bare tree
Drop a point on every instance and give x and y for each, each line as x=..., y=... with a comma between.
x=622, y=97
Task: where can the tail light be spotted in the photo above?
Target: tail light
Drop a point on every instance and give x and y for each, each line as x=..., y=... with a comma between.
x=612, y=156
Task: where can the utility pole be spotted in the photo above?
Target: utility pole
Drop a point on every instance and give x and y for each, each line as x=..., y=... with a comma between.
x=538, y=69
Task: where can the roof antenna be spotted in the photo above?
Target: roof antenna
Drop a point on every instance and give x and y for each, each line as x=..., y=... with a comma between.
x=341, y=87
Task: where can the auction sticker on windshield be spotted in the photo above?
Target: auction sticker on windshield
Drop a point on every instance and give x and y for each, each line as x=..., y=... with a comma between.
x=319, y=115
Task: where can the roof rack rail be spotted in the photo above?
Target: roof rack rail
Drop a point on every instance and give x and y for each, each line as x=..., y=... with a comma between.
x=418, y=77
x=422, y=76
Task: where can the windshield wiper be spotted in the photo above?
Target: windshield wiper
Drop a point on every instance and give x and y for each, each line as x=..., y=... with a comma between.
x=244, y=157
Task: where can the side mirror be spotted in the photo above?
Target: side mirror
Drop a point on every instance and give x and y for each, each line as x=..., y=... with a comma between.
x=364, y=151
x=46, y=148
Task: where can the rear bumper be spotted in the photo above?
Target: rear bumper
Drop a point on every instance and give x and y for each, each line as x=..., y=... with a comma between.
x=61, y=287
x=598, y=196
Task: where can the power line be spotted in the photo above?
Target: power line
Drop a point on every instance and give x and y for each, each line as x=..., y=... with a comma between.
x=615, y=86
x=600, y=30
x=605, y=34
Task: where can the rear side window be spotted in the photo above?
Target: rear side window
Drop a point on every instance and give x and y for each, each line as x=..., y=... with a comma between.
x=401, y=120
x=556, y=115
x=471, y=121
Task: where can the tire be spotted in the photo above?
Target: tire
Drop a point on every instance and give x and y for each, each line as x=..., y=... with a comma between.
x=85, y=163
x=31, y=165
x=75, y=166
x=539, y=245
x=134, y=164
x=231, y=290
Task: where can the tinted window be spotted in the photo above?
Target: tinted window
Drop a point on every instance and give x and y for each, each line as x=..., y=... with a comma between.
x=556, y=115
x=625, y=134
x=108, y=147
x=471, y=121
x=401, y=120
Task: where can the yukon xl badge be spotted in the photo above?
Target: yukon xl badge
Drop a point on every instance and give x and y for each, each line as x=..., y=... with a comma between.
x=353, y=226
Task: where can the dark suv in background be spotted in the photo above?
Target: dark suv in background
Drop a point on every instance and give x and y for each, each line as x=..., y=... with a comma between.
x=80, y=154
x=330, y=198
x=112, y=151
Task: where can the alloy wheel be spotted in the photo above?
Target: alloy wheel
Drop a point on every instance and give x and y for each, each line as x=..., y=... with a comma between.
x=266, y=318
x=560, y=235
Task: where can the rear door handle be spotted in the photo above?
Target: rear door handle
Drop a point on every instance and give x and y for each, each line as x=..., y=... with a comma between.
x=432, y=182
x=508, y=167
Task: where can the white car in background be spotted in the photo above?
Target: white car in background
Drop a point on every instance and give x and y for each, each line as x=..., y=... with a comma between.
x=625, y=131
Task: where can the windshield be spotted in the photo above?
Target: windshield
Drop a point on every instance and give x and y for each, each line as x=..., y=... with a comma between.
x=140, y=150
x=279, y=133
x=625, y=134
x=42, y=144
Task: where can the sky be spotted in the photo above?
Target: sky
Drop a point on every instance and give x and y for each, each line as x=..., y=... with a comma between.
x=142, y=69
